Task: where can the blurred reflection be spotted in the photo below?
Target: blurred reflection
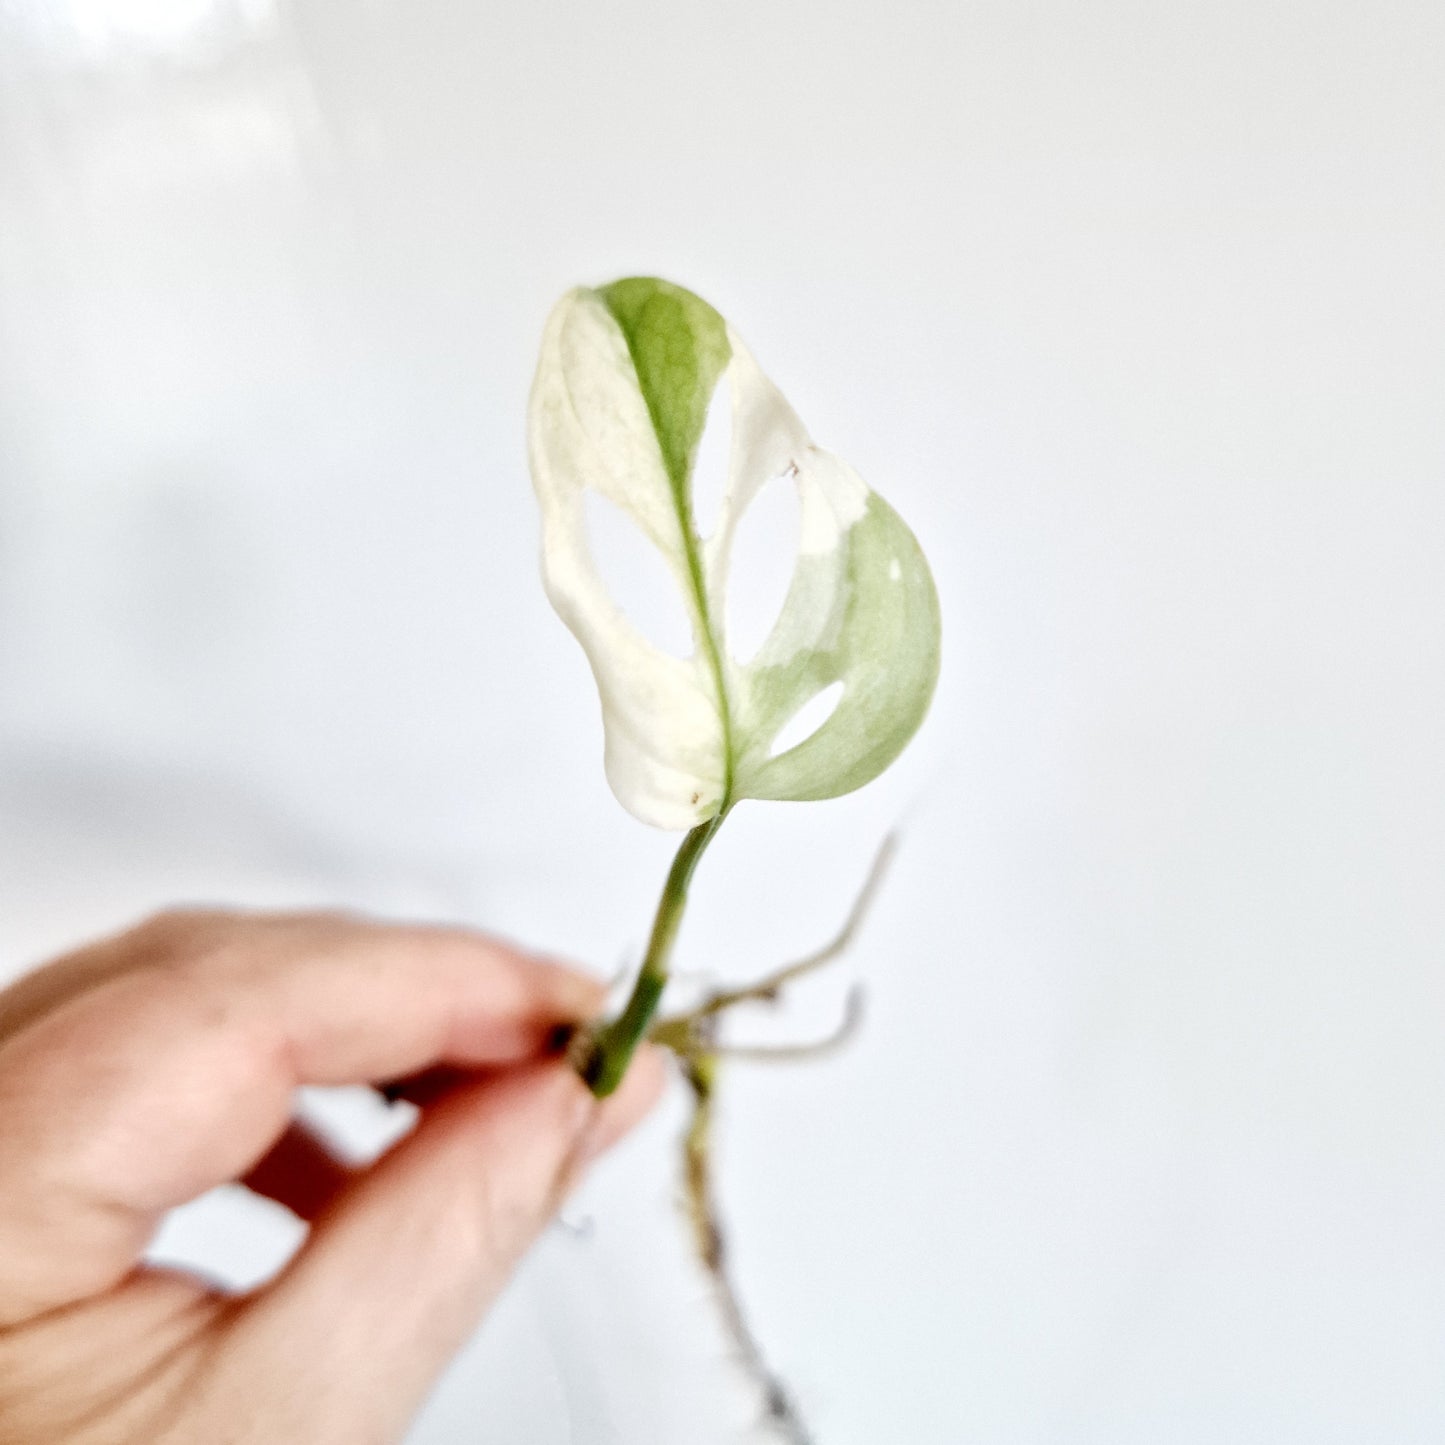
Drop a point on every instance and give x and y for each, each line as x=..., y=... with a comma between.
x=91, y=30
x=163, y=239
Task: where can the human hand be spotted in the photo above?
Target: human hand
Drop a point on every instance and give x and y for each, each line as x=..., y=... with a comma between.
x=142, y=1071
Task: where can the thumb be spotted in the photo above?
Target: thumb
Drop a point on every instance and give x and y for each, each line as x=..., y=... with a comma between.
x=397, y=1273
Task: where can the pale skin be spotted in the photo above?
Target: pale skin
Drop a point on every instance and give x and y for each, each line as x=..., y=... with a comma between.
x=147, y=1068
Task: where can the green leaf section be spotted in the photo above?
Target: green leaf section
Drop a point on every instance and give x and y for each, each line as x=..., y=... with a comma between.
x=881, y=641
x=679, y=346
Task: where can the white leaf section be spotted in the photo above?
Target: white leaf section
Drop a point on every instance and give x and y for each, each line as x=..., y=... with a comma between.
x=589, y=427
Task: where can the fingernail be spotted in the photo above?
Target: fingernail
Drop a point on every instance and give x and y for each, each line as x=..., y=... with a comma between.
x=559, y=1040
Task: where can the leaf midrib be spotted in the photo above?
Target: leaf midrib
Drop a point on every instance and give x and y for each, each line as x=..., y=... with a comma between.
x=681, y=486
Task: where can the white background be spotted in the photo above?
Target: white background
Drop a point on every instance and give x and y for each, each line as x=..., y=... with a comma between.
x=1136, y=312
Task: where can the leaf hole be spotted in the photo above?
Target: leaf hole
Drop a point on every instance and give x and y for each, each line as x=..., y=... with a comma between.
x=765, y=555
x=637, y=576
x=710, y=465
x=808, y=719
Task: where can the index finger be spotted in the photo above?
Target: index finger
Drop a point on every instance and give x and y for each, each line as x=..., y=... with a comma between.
x=177, y=1072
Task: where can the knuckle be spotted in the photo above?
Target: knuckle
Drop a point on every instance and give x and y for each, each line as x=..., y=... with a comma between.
x=174, y=934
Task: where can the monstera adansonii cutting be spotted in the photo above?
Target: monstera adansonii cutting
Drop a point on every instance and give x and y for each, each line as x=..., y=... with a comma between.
x=621, y=396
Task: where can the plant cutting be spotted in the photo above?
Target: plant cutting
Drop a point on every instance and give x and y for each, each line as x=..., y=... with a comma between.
x=621, y=397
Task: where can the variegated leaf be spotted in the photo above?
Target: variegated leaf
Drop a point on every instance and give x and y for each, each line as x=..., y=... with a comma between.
x=619, y=403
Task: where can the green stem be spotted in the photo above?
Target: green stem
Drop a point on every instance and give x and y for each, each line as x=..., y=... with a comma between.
x=612, y=1046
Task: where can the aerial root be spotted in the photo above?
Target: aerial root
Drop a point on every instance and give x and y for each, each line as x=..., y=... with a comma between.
x=694, y=1037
